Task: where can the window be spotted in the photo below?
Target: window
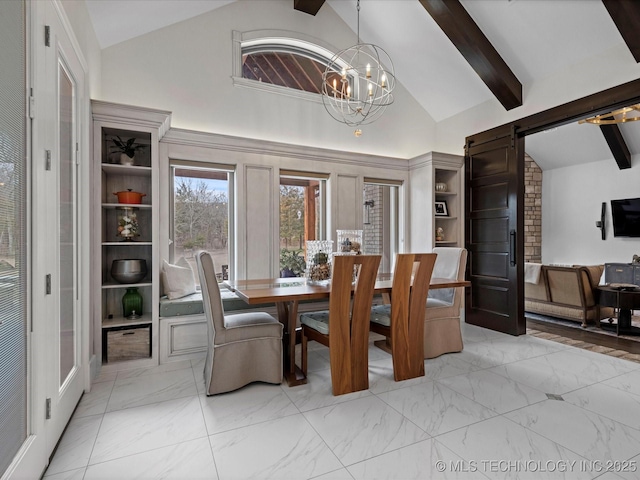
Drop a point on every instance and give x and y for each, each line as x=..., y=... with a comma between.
x=302, y=218
x=381, y=220
x=283, y=62
x=202, y=214
x=281, y=66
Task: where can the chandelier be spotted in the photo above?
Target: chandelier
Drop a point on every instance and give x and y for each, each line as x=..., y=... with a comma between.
x=357, y=84
x=617, y=116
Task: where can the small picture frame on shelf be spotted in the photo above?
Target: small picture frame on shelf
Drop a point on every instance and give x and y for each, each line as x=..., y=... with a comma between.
x=440, y=208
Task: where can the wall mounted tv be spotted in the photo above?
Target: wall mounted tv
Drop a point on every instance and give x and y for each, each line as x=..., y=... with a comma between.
x=626, y=217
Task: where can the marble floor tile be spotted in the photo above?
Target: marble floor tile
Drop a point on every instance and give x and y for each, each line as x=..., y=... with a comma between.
x=76, y=444
x=255, y=403
x=77, y=474
x=165, y=367
x=475, y=356
x=423, y=460
x=506, y=350
x=140, y=429
x=628, y=382
x=363, y=428
x=342, y=474
x=594, y=436
x=316, y=393
x=317, y=359
x=629, y=470
x=436, y=408
x=95, y=401
x=151, y=388
x=191, y=460
x=541, y=376
x=590, y=368
x=106, y=377
x=381, y=377
x=502, y=449
x=476, y=411
x=615, y=360
x=448, y=365
x=473, y=333
x=609, y=402
x=494, y=391
x=287, y=448
x=613, y=476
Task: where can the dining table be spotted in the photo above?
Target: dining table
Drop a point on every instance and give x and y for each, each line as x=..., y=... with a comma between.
x=287, y=293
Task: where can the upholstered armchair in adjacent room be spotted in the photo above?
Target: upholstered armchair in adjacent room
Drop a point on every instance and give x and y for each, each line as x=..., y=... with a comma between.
x=442, y=324
x=242, y=348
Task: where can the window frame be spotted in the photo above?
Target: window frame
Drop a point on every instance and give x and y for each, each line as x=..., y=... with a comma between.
x=395, y=217
x=284, y=40
x=230, y=170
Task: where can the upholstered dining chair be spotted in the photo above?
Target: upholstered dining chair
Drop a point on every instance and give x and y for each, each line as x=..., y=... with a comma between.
x=402, y=321
x=442, y=324
x=242, y=348
x=344, y=328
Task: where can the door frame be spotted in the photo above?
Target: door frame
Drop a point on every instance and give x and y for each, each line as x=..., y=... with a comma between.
x=33, y=456
x=597, y=103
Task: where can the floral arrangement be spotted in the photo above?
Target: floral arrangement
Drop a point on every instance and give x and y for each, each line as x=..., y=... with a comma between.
x=128, y=225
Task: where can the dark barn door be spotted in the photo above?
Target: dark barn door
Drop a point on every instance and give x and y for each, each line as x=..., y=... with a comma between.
x=494, y=231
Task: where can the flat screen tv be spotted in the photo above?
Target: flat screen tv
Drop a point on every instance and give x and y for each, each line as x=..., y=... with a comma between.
x=626, y=217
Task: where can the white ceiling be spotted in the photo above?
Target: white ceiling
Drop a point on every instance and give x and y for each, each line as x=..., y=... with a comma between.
x=536, y=38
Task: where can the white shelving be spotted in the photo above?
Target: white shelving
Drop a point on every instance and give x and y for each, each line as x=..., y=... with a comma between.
x=426, y=172
x=146, y=126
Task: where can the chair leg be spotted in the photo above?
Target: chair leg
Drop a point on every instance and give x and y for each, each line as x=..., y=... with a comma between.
x=304, y=353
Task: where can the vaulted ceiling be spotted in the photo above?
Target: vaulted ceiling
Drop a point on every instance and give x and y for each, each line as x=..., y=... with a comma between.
x=453, y=55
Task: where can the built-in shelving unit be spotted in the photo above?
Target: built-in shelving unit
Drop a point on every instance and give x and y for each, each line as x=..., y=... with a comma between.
x=426, y=172
x=449, y=175
x=122, y=342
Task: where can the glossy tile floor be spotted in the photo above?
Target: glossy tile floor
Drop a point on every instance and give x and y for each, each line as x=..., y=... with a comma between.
x=506, y=408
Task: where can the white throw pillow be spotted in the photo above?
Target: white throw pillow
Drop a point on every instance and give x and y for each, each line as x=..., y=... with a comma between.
x=178, y=279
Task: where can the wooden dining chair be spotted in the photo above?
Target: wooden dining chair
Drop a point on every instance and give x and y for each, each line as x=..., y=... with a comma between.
x=344, y=328
x=402, y=322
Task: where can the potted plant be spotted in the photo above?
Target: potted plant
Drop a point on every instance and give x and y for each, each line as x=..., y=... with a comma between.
x=127, y=149
x=292, y=263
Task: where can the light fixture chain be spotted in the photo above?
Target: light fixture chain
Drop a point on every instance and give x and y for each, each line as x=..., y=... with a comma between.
x=358, y=8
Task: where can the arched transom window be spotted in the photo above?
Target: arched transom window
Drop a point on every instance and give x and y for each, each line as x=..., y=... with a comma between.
x=284, y=62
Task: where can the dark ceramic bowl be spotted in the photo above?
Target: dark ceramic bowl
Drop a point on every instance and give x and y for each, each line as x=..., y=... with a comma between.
x=130, y=270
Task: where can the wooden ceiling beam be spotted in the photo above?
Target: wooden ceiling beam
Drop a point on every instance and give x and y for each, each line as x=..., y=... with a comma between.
x=618, y=146
x=474, y=46
x=308, y=6
x=626, y=15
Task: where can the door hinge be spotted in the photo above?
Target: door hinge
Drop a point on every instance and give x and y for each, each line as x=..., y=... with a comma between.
x=47, y=284
x=47, y=36
x=47, y=409
x=77, y=156
x=32, y=107
x=47, y=159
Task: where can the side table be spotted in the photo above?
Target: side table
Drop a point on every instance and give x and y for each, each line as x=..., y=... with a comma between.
x=625, y=300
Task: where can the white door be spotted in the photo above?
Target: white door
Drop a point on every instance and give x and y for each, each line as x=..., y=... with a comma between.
x=56, y=372
x=56, y=303
x=66, y=370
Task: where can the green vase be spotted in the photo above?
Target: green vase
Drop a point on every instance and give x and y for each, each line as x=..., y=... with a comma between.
x=132, y=303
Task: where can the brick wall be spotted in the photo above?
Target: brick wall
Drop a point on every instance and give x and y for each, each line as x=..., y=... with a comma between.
x=532, y=211
x=373, y=230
